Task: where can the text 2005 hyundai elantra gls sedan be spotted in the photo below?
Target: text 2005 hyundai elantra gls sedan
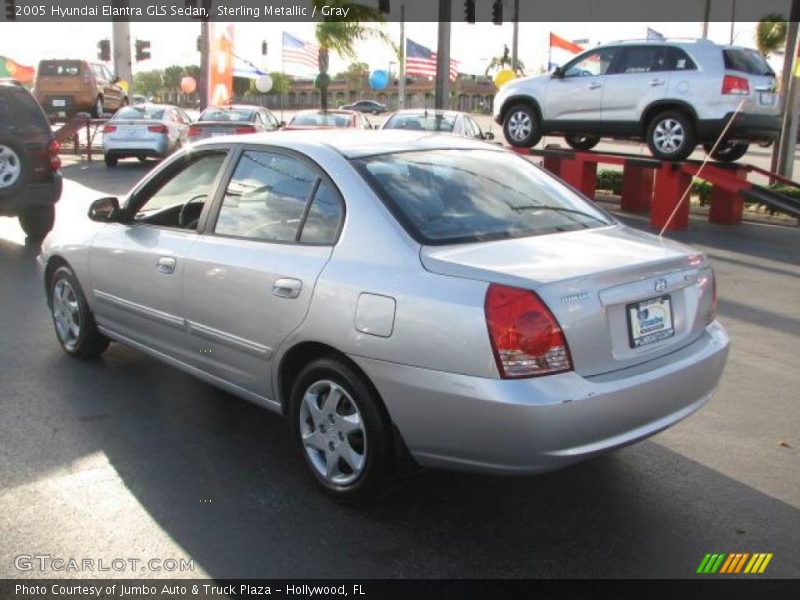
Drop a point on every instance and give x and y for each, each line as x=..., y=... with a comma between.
x=396, y=294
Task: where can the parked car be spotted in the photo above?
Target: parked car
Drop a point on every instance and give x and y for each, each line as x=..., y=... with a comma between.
x=672, y=94
x=30, y=175
x=366, y=106
x=234, y=119
x=395, y=292
x=326, y=119
x=67, y=87
x=145, y=131
x=138, y=99
x=443, y=121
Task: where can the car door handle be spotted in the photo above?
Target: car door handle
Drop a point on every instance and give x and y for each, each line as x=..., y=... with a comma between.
x=287, y=287
x=594, y=85
x=166, y=265
x=656, y=82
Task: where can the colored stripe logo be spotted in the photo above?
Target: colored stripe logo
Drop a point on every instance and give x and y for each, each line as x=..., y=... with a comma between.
x=734, y=563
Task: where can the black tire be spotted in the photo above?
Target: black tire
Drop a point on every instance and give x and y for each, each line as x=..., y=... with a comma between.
x=37, y=222
x=522, y=127
x=727, y=152
x=582, y=142
x=111, y=161
x=14, y=170
x=371, y=481
x=98, y=109
x=89, y=342
x=664, y=129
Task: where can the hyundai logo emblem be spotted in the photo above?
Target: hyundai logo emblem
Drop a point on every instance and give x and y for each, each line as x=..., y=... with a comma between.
x=661, y=285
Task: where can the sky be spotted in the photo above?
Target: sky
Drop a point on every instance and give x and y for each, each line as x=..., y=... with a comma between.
x=175, y=43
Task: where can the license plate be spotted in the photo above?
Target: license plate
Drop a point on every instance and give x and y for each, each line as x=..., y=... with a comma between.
x=59, y=102
x=650, y=321
x=218, y=133
x=767, y=98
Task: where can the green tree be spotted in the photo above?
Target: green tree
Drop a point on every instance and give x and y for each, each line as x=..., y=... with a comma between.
x=771, y=34
x=193, y=71
x=355, y=75
x=341, y=36
x=172, y=78
x=148, y=83
x=498, y=63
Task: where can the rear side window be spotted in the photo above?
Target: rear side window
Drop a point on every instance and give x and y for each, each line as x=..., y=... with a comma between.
x=640, y=59
x=677, y=60
x=324, y=217
x=459, y=196
x=746, y=61
x=60, y=68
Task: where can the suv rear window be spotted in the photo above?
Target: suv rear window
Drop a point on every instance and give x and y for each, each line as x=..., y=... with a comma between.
x=60, y=68
x=746, y=61
x=19, y=107
x=459, y=196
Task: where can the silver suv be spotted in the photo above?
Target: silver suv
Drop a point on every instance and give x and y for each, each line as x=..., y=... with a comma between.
x=672, y=94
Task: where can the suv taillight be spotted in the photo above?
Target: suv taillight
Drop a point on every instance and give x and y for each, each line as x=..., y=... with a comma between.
x=526, y=338
x=53, y=148
x=738, y=86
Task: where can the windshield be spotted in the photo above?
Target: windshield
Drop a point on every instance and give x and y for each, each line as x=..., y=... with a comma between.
x=422, y=122
x=456, y=196
x=226, y=115
x=747, y=61
x=321, y=120
x=138, y=112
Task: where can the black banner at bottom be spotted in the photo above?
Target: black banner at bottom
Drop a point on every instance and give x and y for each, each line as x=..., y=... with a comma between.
x=400, y=589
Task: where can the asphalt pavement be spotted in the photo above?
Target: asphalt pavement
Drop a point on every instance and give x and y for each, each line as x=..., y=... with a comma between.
x=124, y=457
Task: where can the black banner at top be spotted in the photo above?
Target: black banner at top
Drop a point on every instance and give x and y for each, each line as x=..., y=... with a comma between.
x=254, y=11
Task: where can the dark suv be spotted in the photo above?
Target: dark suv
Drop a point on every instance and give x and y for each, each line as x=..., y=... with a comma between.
x=30, y=176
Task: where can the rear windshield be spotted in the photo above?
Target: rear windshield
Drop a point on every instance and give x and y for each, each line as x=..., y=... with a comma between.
x=458, y=196
x=746, y=61
x=422, y=122
x=226, y=115
x=60, y=68
x=137, y=112
x=19, y=107
x=321, y=119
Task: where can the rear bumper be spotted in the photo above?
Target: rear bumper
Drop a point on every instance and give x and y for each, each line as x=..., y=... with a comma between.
x=32, y=195
x=746, y=127
x=535, y=425
x=125, y=148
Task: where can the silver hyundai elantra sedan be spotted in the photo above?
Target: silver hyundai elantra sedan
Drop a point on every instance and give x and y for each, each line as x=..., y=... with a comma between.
x=395, y=295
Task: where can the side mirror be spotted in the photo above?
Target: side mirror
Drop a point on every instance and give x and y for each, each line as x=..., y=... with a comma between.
x=282, y=124
x=488, y=135
x=105, y=210
x=557, y=73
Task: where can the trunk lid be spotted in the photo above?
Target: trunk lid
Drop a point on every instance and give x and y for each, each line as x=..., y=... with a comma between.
x=131, y=129
x=591, y=280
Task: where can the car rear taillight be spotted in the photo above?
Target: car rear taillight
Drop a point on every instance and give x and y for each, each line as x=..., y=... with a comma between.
x=109, y=129
x=157, y=128
x=194, y=131
x=245, y=129
x=735, y=85
x=526, y=338
x=53, y=148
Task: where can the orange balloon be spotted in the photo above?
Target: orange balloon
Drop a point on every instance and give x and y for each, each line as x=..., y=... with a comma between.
x=188, y=85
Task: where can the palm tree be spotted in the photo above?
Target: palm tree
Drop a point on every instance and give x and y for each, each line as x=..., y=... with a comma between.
x=771, y=34
x=341, y=36
x=501, y=62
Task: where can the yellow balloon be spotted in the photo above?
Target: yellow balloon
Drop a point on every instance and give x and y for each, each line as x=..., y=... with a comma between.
x=124, y=85
x=503, y=77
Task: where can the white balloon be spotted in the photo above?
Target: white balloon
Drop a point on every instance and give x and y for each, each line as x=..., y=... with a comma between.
x=264, y=84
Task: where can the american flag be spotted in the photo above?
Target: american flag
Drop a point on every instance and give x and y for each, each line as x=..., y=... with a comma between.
x=422, y=61
x=298, y=52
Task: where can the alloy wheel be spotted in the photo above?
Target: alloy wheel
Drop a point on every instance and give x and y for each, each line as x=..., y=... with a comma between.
x=10, y=167
x=66, y=313
x=669, y=136
x=333, y=433
x=519, y=125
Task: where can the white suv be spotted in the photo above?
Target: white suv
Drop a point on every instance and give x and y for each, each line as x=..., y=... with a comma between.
x=672, y=94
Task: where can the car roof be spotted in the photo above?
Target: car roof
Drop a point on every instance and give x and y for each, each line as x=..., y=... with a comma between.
x=429, y=112
x=358, y=142
x=233, y=107
x=331, y=111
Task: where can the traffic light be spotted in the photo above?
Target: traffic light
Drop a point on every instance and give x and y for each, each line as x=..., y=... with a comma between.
x=497, y=12
x=11, y=10
x=142, y=50
x=384, y=7
x=104, y=50
x=264, y=48
x=469, y=11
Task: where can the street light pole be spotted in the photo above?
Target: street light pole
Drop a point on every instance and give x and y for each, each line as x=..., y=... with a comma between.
x=515, y=39
x=121, y=36
x=783, y=155
x=442, y=96
x=706, y=17
x=401, y=78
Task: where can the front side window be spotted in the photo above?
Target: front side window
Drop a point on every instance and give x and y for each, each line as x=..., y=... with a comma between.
x=179, y=199
x=592, y=64
x=459, y=196
x=266, y=198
